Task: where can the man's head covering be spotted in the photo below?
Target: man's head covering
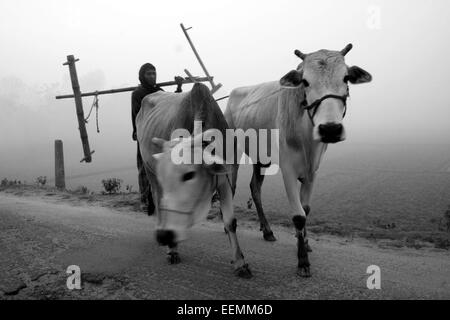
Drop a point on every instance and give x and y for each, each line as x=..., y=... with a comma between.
x=142, y=70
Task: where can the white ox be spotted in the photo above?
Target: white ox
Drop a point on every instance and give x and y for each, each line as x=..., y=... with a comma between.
x=182, y=192
x=307, y=106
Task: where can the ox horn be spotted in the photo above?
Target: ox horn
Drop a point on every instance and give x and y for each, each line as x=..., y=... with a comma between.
x=346, y=49
x=300, y=54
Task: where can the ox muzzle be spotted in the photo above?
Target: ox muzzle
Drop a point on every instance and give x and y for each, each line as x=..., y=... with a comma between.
x=331, y=132
x=166, y=237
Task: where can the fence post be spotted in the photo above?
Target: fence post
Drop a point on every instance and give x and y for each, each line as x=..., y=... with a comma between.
x=60, y=179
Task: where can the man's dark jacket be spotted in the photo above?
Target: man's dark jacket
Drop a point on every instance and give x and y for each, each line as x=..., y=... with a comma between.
x=138, y=94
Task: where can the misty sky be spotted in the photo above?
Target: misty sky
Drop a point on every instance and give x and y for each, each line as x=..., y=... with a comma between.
x=241, y=42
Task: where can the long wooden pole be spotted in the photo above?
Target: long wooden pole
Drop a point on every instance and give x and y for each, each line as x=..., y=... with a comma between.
x=213, y=85
x=162, y=84
x=79, y=107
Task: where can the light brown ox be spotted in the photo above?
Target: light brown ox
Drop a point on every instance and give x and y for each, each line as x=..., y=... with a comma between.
x=307, y=106
x=182, y=192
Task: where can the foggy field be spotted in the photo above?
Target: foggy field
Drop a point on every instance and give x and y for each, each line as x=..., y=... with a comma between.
x=398, y=192
x=383, y=191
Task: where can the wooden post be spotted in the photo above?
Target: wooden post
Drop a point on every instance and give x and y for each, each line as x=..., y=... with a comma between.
x=79, y=106
x=60, y=179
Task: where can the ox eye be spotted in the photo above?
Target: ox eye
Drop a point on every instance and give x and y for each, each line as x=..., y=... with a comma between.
x=346, y=79
x=305, y=83
x=188, y=176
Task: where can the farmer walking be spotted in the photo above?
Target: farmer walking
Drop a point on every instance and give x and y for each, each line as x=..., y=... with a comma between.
x=147, y=78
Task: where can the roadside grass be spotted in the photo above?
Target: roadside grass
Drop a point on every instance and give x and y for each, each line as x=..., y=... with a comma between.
x=81, y=195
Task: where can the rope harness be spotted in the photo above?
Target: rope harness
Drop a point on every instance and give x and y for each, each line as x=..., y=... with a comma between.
x=313, y=106
x=191, y=212
x=223, y=98
x=316, y=104
x=94, y=105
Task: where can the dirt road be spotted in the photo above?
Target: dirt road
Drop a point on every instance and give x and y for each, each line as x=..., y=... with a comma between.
x=119, y=258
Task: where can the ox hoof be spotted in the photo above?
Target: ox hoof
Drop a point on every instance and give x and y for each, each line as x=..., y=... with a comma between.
x=243, y=272
x=268, y=236
x=173, y=258
x=304, y=272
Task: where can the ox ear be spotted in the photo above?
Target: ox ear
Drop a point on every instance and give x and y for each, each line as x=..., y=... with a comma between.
x=159, y=142
x=357, y=75
x=157, y=156
x=164, y=144
x=292, y=80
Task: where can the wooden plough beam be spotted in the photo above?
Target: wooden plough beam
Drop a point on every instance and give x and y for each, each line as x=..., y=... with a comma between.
x=187, y=80
x=214, y=87
x=78, y=95
x=79, y=102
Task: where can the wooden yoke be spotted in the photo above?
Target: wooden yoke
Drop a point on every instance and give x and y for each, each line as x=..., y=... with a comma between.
x=79, y=107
